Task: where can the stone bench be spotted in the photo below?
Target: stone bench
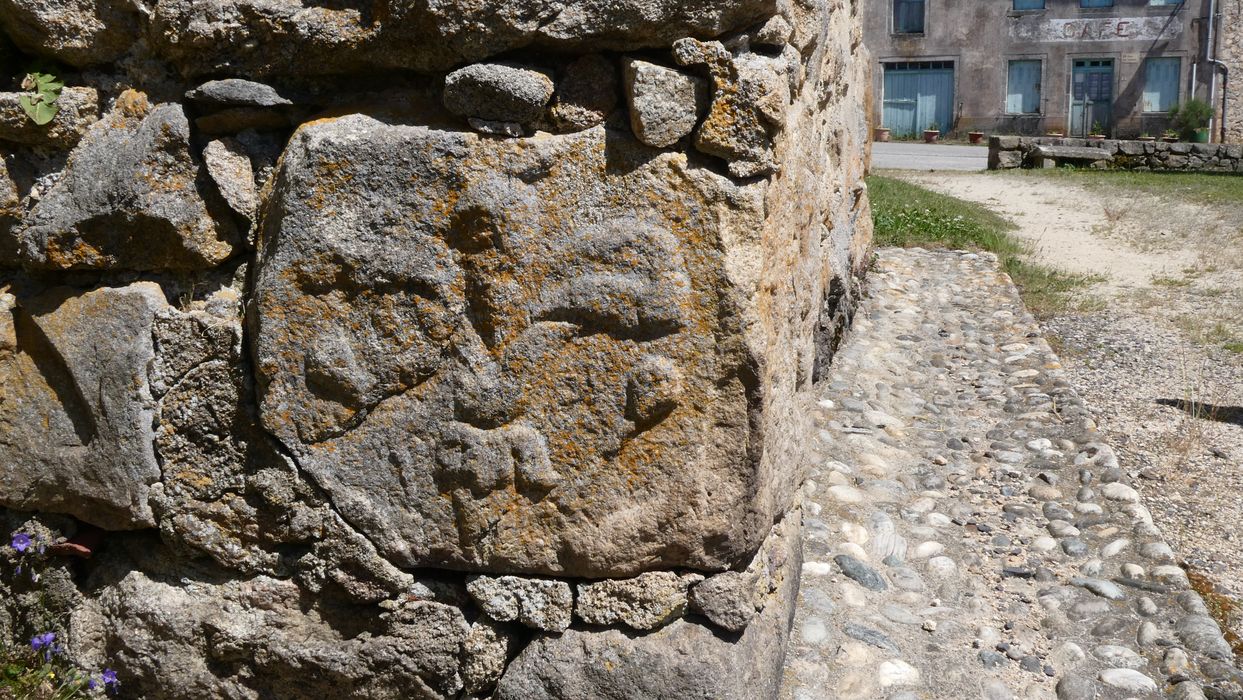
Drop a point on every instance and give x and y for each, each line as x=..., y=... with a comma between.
x=1063, y=154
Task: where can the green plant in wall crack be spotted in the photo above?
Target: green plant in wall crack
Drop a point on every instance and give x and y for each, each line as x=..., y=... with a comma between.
x=43, y=92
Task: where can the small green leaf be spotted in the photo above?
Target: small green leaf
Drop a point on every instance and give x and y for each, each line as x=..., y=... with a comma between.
x=41, y=106
x=48, y=82
x=39, y=111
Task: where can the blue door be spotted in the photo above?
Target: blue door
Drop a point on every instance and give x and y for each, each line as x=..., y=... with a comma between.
x=918, y=95
x=1091, y=96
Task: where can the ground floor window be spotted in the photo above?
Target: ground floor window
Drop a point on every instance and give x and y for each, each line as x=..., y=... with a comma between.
x=1023, y=87
x=918, y=95
x=1161, y=79
x=1029, y=4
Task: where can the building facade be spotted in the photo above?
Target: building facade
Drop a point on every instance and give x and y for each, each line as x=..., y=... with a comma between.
x=1034, y=66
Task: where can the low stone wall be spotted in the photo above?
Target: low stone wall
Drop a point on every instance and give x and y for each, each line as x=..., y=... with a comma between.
x=1007, y=152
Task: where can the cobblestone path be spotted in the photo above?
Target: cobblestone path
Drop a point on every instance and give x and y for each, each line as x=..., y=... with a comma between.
x=967, y=534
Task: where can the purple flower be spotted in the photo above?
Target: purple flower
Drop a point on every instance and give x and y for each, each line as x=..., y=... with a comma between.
x=92, y=684
x=21, y=542
x=41, y=641
x=110, y=677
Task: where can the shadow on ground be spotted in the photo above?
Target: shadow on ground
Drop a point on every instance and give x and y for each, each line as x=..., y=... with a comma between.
x=1196, y=409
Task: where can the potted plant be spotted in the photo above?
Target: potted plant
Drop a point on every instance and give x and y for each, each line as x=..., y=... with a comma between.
x=933, y=133
x=1055, y=133
x=975, y=137
x=880, y=133
x=1097, y=133
x=1146, y=137
x=1191, y=119
x=1169, y=136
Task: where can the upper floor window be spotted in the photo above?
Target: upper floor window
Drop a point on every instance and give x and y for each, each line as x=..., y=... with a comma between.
x=1096, y=3
x=908, y=16
x=1029, y=4
x=1023, y=88
x=1161, y=79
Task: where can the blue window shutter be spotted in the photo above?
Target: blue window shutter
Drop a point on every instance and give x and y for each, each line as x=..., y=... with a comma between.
x=1029, y=4
x=1161, y=79
x=1023, y=88
x=1096, y=3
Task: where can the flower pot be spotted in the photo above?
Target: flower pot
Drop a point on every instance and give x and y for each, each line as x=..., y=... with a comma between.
x=1055, y=134
x=1146, y=138
x=931, y=135
x=880, y=133
x=1096, y=137
x=1170, y=139
x=975, y=137
x=1202, y=136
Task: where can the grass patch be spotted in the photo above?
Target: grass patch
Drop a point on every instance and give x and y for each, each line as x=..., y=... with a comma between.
x=1170, y=282
x=1196, y=188
x=1234, y=347
x=908, y=215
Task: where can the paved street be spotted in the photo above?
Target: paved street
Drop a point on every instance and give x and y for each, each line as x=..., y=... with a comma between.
x=922, y=156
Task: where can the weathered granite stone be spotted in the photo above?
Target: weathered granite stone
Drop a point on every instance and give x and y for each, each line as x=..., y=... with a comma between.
x=229, y=166
x=645, y=602
x=729, y=600
x=252, y=638
x=257, y=38
x=77, y=32
x=681, y=660
x=498, y=92
x=494, y=277
x=750, y=95
x=544, y=604
x=664, y=103
x=11, y=213
x=77, y=411
x=130, y=199
x=236, y=92
x=585, y=95
x=776, y=31
x=485, y=653
x=78, y=108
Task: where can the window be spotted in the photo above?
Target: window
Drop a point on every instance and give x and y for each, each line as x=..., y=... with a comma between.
x=1023, y=91
x=1161, y=78
x=1029, y=4
x=1165, y=2
x=908, y=16
x=1096, y=3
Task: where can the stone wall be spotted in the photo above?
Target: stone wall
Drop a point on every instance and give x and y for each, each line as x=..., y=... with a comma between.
x=443, y=350
x=1230, y=52
x=1006, y=152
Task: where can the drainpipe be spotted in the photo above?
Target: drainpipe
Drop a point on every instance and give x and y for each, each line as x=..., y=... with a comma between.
x=1211, y=57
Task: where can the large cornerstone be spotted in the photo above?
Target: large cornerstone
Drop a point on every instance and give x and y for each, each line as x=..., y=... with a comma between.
x=387, y=352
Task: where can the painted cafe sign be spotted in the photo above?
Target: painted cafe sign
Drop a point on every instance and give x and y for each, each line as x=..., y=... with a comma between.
x=1097, y=29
